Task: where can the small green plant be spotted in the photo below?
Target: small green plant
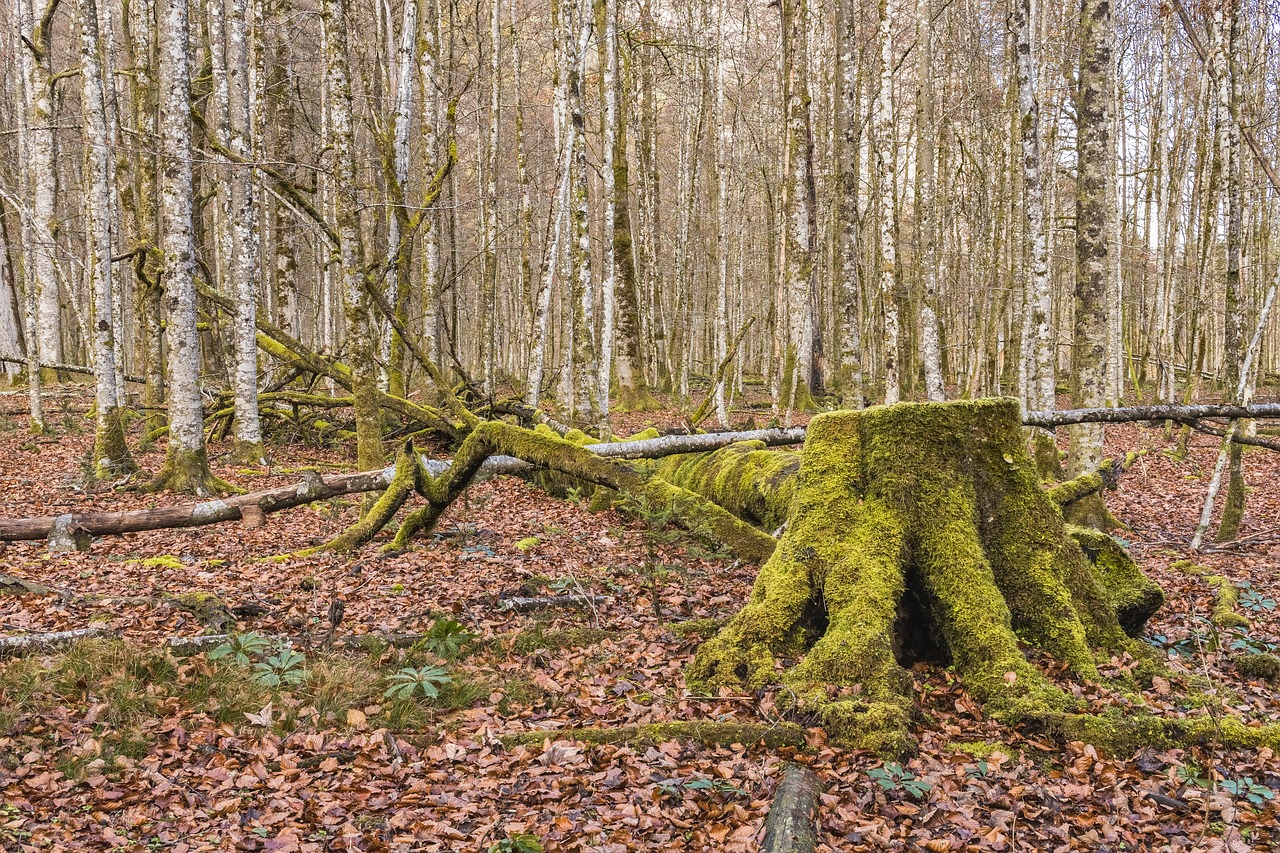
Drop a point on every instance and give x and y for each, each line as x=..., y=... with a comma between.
x=1257, y=795
x=242, y=648
x=286, y=666
x=893, y=776
x=1251, y=599
x=521, y=842
x=446, y=638
x=1190, y=774
x=411, y=681
x=676, y=788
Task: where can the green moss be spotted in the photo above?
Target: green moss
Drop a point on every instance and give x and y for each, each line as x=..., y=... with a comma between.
x=980, y=748
x=528, y=543
x=247, y=452
x=942, y=500
x=1134, y=596
x=162, y=561
x=1224, y=613
x=1262, y=667
x=748, y=480
x=1121, y=732
x=705, y=732
x=696, y=627
x=573, y=638
x=205, y=606
x=187, y=472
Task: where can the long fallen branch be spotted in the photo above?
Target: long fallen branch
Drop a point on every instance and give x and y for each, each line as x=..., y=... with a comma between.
x=792, y=825
x=1135, y=414
x=316, y=487
x=31, y=644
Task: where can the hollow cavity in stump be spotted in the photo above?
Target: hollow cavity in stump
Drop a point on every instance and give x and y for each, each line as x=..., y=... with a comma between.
x=921, y=531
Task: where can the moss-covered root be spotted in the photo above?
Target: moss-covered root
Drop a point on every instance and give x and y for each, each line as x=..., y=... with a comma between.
x=703, y=732
x=187, y=473
x=1122, y=732
x=751, y=482
x=384, y=509
x=1223, y=614
x=1134, y=596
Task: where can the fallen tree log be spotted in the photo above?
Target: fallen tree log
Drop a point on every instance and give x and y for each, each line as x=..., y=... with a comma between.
x=528, y=603
x=704, y=732
x=792, y=824
x=318, y=487
x=79, y=369
x=1160, y=413
x=32, y=644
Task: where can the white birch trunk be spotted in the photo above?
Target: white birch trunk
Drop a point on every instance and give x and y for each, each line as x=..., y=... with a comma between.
x=31, y=286
x=930, y=344
x=245, y=268
x=724, y=149
x=489, y=282
x=885, y=156
x=609, y=278
x=111, y=454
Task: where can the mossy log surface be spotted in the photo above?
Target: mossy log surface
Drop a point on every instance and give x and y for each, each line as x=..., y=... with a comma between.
x=921, y=532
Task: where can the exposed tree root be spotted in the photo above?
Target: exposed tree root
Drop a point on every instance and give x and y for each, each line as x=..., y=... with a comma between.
x=705, y=732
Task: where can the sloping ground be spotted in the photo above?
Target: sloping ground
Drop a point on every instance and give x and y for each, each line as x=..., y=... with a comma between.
x=114, y=746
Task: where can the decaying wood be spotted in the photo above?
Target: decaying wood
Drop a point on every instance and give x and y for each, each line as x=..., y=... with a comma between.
x=207, y=642
x=792, y=825
x=316, y=487
x=705, y=732
x=31, y=644
x=526, y=603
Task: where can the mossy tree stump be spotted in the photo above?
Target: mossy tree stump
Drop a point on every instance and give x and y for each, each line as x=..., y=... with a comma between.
x=921, y=531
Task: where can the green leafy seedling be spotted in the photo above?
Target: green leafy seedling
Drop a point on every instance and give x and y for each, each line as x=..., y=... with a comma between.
x=409, y=681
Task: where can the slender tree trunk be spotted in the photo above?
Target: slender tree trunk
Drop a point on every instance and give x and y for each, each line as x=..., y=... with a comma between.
x=926, y=228
x=245, y=268
x=31, y=283
x=186, y=466
x=581, y=296
x=1093, y=235
x=489, y=281
x=609, y=286
x=360, y=332
x=110, y=453
x=849, y=177
x=399, y=245
x=884, y=148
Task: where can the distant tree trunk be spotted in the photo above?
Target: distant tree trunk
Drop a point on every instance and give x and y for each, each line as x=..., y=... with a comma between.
x=724, y=149
x=489, y=279
x=186, y=466
x=360, y=332
x=41, y=252
x=432, y=115
x=926, y=227
x=885, y=156
x=802, y=369
x=245, y=268
x=1094, y=214
x=583, y=406
x=31, y=284
x=1043, y=384
x=110, y=452
x=399, y=245
x=849, y=176
x=1224, y=30
x=527, y=293
x=609, y=85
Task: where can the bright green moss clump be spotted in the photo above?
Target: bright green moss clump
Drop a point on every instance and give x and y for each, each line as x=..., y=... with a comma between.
x=917, y=531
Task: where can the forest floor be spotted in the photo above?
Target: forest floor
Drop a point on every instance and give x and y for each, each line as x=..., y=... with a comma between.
x=117, y=744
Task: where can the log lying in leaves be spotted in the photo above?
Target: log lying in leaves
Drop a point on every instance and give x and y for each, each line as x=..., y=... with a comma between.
x=207, y=642
x=316, y=487
x=705, y=732
x=32, y=644
x=524, y=603
x=792, y=825
x=1135, y=414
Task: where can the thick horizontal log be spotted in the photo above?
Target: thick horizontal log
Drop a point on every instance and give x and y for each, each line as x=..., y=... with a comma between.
x=34, y=644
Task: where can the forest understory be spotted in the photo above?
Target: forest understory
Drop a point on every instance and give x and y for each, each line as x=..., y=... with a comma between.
x=121, y=742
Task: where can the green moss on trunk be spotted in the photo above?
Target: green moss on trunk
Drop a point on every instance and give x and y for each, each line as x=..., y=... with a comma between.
x=110, y=450
x=187, y=473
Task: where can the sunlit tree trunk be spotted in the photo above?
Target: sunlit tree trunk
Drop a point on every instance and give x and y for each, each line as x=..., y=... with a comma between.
x=581, y=295
x=724, y=150
x=489, y=275
x=399, y=245
x=608, y=174
x=27, y=226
